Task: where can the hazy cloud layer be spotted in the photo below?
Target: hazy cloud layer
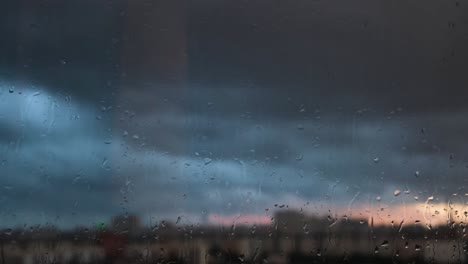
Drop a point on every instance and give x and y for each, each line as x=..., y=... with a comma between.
x=226, y=108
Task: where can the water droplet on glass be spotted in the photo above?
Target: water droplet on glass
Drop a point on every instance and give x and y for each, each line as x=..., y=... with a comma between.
x=384, y=244
x=11, y=90
x=396, y=192
x=416, y=173
x=376, y=160
x=417, y=247
x=207, y=161
x=300, y=127
x=376, y=250
x=253, y=229
x=7, y=231
x=378, y=198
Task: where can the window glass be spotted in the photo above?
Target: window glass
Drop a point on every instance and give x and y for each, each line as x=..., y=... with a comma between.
x=217, y=131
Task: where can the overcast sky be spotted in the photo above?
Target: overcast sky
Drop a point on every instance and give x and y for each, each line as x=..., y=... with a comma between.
x=228, y=107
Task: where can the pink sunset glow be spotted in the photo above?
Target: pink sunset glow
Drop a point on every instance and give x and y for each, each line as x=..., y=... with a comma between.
x=247, y=219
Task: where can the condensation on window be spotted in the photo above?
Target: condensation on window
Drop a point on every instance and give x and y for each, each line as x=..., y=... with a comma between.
x=260, y=131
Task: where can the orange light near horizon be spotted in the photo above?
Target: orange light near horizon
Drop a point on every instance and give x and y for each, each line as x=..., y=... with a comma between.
x=427, y=214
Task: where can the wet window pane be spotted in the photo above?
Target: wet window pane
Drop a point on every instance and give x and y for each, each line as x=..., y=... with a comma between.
x=261, y=131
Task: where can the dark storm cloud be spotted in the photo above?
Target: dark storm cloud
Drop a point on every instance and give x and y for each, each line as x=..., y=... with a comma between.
x=177, y=109
x=370, y=53
x=72, y=41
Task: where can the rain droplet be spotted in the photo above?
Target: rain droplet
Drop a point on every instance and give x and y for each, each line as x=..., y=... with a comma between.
x=376, y=250
x=300, y=127
x=396, y=192
x=207, y=161
x=416, y=173
x=401, y=226
x=7, y=231
x=253, y=229
x=378, y=198
x=417, y=247
x=11, y=90
x=384, y=244
x=376, y=160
